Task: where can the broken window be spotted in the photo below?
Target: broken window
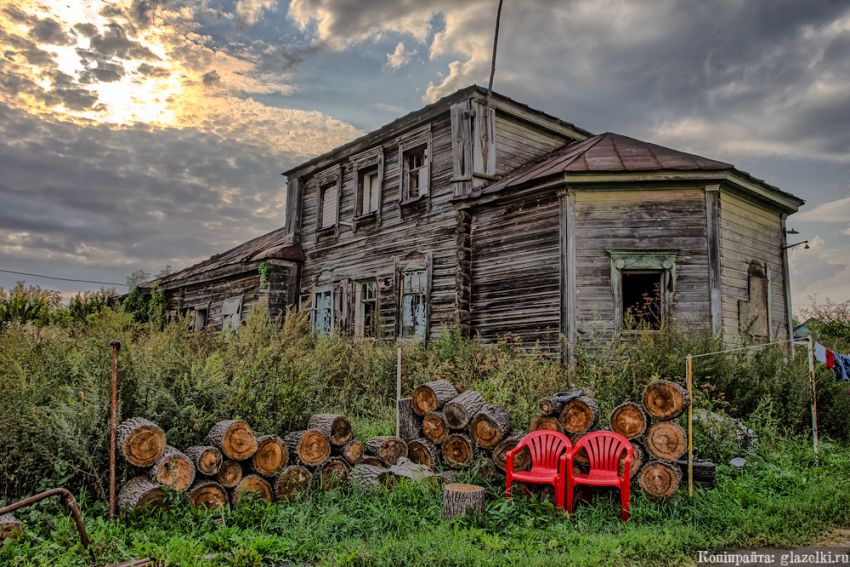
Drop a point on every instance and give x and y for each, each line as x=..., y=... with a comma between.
x=414, y=286
x=321, y=314
x=366, y=314
x=370, y=195
x=641, y=296
x=231, y=313
x=328, y=207
x=416, y=172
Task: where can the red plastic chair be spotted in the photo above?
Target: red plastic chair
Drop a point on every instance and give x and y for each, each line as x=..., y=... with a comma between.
x=604, y=450
x=547, y=466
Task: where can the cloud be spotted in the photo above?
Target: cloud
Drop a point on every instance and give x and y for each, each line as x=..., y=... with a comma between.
x=251, y=10
x=832, y=211
x=399, y=57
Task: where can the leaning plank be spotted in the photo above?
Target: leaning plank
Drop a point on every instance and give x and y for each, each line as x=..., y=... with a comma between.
x=435, y=427
x=460, y=410
x=666, y=440
x=251, y=484
x=629, y=420
x=489, y=426
x=387, y=447
x=173, y=469
x=422, y=452
x=462, y=499
x=207, y=459
x=310, y=447
x=271, y=456
x=664, y=399
x=659, y=479
x=141, y=491
x=10, y=527
x=235, y=439
x=140, y=441
x=337, y=428
x=292, y=482
x=207, y=494
x=432, y=395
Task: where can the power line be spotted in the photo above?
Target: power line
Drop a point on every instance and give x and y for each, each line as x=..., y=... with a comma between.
x=61, y=279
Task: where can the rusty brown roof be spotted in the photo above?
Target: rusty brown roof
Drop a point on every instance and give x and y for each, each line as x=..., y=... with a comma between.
x=270, y=246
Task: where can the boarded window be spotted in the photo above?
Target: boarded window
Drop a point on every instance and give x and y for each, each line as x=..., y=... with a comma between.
x=641, y=298
x=321, y=315
x=414, y=286
x=417, y=175
x=328, y=206
x=369, y=191
x=231, y=313
x=365, y=316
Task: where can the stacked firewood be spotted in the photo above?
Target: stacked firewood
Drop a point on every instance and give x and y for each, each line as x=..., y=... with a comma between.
x=444, y=428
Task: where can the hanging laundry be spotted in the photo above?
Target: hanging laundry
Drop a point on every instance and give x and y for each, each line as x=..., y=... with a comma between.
x=842, y=367
x=820, y=353
x=830, y=359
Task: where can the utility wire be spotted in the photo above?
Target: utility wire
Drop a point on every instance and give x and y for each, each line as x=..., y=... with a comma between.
x=61, y=279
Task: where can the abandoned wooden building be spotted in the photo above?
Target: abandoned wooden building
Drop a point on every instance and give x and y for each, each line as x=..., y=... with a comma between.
x=502, y=219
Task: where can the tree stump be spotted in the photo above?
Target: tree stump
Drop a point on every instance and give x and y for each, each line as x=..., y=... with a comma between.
x=553, y=405
x=462, y=499
x=423, y=452
x=432, y=395
x=271, y=456
x=207, y=494
x=547, y=423
x=629, y=420
x=337, y=428
x=140, y=441
x=235, y=439
x=251, y=484
x=410, y=424
x=333, y=473
x=309, y=447
x=173, y=469
x=458, y=451
x=206, y=458
x=229, y=474
x=460, y=410
x=374, y=461
x=435, y=427
x=352, y=451
x=490, y=426
x=666, y=440
x=387, y=447
x=659, y=479
x=141, y=491
x=579, y=415
x=664, y=399
x=368, y=477
x=522, y=460
x=10, y=527
x=292, y=482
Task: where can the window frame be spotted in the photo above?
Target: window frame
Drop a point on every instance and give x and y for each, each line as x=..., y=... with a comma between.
x=662, y=307
x=406, y=143
x=234, y=319
x=412, y=263
x=361, y=331
x=323, y=181
x=662, y=261
x=317, y=292
x=370, y=159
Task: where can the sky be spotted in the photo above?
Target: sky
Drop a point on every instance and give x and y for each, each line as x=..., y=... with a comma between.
x=142, y=134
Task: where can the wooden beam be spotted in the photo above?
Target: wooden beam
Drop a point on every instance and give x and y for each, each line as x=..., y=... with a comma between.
x=712, y=218
x=567, y=213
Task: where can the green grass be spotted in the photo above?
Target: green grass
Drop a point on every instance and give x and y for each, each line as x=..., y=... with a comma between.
x=782, y=499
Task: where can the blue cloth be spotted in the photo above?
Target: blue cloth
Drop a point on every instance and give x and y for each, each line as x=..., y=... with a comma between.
x=842, y=367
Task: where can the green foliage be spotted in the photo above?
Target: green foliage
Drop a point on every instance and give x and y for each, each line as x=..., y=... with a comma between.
x=28, y=304
x=87, y=304
x=265, y=270
x=830, y=324
x=146, y=307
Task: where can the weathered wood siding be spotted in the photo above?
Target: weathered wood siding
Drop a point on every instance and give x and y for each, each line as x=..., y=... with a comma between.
x=515, y=272
x=517, y=143
x=660, y=219
x=750, y=232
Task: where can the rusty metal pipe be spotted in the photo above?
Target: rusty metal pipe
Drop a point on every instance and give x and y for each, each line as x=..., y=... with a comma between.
x=113, y=427
x=69, y=500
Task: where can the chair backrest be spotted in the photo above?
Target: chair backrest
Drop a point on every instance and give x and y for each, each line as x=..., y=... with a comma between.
x=604, y=449
x=546, y=447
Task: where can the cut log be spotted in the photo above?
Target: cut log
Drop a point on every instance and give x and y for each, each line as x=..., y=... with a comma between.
x=352, y=451
x=704, y=473
x=292, y=482
x=545, y=422
x=206, y=458
x=458, y=451
x=309, y=447
x=271, y=456
x=664, y=399
x=251, y=484
x=490, y=426
x=207, y=494
x=579, y=415
x=460, y=410
x=462, y=499
x=435, y=427
x=235, y=439
x=639, y=458
x=553, y=405
x=485, y=468
x=431, y=396
x=10, y=527
x=229, y=474
x=368, y=477
x=522, y=460
x=374, y=461
x=333, y=473
x=337, y=428
x=423, y=452
x=387, y=447
x=659, y=479
x=141, y=491
x=666, y=440
x=629, y=420
x=173, y=469
x=140, y=441
x=410, y=424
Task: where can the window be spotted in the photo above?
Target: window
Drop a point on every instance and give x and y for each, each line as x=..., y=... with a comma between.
x=200, y=319
x=416, y=172
x=328, y=206
x=641, y=293
x=366, y=314
x=414, y=285
x=231, y=313
x=370, y=196
x=321, y=314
